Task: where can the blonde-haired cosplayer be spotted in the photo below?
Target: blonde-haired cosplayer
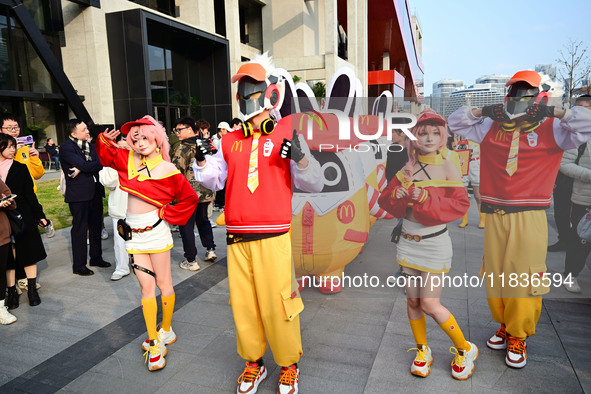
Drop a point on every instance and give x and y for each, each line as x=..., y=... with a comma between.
x=153, y=183
x=427, y=194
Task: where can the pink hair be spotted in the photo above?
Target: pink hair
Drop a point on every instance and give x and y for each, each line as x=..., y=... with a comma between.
x=154, y=132
x=411, y=146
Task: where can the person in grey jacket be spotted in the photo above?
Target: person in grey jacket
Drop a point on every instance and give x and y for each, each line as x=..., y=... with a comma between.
x=578, y=249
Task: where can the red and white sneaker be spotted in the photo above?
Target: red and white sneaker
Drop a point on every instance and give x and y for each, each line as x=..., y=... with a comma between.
x=253, y=375
x=499, y=340
x=155, y=356
x=462, y=366
x=516, y=353
x=288, y=380
x=421, y=365
x=167, y=337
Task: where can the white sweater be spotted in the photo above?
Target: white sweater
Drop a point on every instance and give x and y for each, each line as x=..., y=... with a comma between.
x=581, y=173
x=117, y=197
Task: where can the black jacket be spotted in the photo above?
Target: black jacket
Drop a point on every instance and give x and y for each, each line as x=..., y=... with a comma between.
x=86, y=184
x=29, y=247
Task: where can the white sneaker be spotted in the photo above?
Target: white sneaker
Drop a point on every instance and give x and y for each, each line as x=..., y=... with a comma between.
x=421, y=365
x=104, y=234
x=573, y=287
x=462, y=366
x=499, y=340
x=210, y=255
x=118, y=276
x=5, y=316
x=516, y=353
x=250, y=379
x=214, y=224
x=155, y=356
x=189, y=265
x=167, y=337
x=49, y=230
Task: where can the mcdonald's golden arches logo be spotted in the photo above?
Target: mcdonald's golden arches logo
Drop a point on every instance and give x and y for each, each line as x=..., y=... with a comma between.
x=236, y=146
x=346, y=212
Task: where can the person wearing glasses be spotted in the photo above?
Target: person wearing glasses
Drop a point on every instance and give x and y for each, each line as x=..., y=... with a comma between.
x=25, y=154
x=183, y=157
x=28, y=156
x=427, y=194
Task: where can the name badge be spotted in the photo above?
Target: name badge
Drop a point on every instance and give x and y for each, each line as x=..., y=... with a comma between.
x=267, y=148
x=532, y=139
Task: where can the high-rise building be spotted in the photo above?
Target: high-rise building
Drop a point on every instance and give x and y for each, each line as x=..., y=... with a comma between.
x=441, y=91
x=477, y=95
x=109, y=61
x=497, y=82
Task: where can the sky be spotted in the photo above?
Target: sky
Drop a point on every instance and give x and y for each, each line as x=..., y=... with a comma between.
x=467, y=39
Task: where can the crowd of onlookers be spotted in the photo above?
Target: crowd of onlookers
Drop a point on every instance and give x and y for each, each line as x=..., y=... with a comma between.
x=82, y=185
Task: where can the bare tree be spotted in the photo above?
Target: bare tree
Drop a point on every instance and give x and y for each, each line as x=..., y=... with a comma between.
x=573, y=62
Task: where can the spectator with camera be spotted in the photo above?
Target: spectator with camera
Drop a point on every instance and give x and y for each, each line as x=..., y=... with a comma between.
x=28, y=247
x=183, y=157
x=29, y=156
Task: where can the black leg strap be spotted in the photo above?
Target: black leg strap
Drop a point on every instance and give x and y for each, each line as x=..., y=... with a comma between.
x=139, y=268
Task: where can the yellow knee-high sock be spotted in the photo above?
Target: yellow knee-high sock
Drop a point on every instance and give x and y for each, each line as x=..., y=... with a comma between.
x=167, y=310
x=452, y=329
x=419, y=330
x=150, y=310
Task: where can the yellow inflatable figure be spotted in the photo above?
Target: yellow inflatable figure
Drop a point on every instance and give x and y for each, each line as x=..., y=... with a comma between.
x=330, y=228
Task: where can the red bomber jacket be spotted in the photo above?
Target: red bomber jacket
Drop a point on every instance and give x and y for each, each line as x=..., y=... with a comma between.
x=443, y=202
x=268, y=209
x=160, y=192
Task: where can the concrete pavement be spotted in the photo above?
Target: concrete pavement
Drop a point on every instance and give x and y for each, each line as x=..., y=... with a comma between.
x=85, y=336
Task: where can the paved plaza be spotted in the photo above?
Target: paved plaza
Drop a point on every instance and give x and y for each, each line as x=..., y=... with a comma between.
x=85, y=336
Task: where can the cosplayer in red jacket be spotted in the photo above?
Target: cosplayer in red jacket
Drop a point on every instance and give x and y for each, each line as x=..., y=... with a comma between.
x=426, y=195
x=256, y=163
x=521, y=145
x=157, y=191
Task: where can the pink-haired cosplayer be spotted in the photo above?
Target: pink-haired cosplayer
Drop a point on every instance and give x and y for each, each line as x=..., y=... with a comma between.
x=157, y=192
x=427, y=194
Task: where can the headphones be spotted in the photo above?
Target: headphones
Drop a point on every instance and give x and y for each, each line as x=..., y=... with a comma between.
x=267, y=126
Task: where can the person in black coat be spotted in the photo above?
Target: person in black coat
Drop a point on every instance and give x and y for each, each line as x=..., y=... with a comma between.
x=28, y=247
x=84, y=194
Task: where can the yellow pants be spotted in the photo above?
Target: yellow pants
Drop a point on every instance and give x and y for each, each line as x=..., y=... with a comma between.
x=265, y=299
x=514, y=252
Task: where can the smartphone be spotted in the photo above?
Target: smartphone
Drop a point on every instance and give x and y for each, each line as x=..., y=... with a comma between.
x=25, y=140
x=8, y=198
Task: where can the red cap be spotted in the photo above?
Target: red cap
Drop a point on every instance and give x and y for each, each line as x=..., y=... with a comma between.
x=430, y=115
x=127, y=126
x=529, y=76
x=253, y=70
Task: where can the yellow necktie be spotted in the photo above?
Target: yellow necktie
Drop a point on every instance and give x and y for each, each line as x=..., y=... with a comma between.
x=511, y=166
x=253, y=164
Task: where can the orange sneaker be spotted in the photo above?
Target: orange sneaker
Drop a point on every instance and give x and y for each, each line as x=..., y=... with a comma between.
x=253, y=375
x=516, y=353
x=288, y=380
x=499, y=340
